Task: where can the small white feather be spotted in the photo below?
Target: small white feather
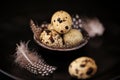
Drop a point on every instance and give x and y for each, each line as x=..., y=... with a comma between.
x=31, y=61
x=94, y=27
x=22, y=54
x=23, y=49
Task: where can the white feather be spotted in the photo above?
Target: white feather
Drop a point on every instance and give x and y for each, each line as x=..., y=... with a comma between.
x=25, y=57
x=94, y=27
x=22, y=49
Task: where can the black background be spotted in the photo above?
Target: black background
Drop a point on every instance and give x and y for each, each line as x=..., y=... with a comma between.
x=14, y=27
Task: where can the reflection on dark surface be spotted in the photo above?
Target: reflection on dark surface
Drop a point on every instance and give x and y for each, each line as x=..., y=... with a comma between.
x=14, y=27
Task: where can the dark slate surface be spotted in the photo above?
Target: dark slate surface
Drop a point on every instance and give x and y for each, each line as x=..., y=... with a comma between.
x=14, y=27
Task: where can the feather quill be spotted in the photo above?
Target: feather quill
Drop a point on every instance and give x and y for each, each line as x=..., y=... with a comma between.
x=32, y=61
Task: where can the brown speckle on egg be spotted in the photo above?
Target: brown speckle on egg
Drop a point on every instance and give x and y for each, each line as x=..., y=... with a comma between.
x=77, y=71
x=66, y=27
x=51, y=39
x=47, y=42
x=47, y=31
x=90, y=70
x=61, y=31
x=82, y=65
x=59, y=20
x=63, y=20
